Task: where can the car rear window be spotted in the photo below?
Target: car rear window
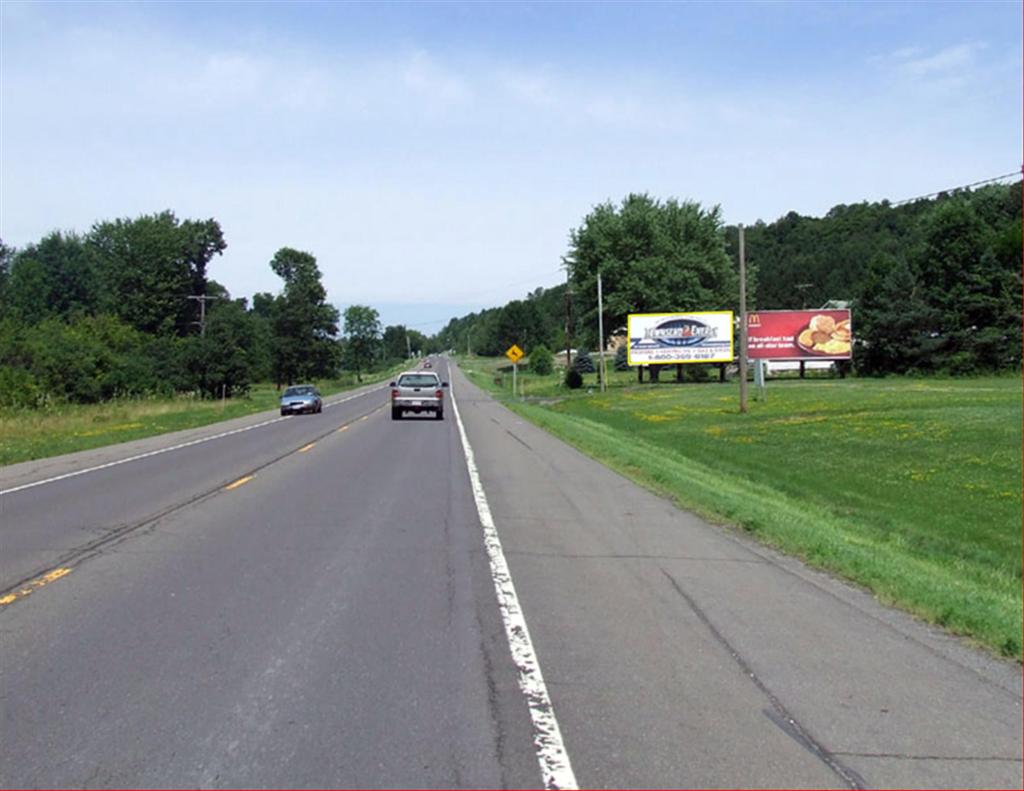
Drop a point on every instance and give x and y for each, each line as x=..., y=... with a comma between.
x=417, y=380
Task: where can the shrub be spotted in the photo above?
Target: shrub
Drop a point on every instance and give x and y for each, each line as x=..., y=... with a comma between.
x=573, y=379
x=583, y=363
x=540, y=361
x=19, y=389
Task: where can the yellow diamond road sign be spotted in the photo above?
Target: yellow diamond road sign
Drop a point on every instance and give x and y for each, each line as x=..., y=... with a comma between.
x=514, y=353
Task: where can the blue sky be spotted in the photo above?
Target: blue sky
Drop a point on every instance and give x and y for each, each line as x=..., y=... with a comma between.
x=434, y=156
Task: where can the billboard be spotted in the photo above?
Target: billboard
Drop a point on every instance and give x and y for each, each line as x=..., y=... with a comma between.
x=666, y=338
x=799, y=335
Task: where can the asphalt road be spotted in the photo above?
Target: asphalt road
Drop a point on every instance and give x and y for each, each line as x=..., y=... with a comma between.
x=311, y=602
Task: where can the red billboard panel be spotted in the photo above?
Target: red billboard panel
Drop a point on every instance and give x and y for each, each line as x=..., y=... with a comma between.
x=799, y=335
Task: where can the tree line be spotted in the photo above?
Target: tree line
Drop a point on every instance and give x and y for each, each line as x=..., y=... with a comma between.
x=127, y=309
x=935, y=284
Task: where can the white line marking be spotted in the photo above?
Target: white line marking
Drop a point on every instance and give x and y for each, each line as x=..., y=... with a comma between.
x=555, y=767
x=140, y=456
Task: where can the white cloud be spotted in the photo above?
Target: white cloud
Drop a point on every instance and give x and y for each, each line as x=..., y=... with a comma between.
x=530, y=88
x=439, y=86
x=958, y=59
x=948, y=68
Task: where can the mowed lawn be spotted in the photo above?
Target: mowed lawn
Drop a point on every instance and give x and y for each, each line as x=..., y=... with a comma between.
x=911, y=487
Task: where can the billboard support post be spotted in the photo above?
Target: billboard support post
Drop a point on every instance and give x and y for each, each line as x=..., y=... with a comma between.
x=760, y=378
x=743, y=324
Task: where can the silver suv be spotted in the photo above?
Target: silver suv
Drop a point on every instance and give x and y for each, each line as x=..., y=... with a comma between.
x=417, y=391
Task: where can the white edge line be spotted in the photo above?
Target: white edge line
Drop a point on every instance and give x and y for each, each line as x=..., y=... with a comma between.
x=555, y=768
x=140, y=456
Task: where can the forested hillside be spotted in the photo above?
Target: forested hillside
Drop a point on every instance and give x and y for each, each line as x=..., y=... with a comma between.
x=935, y=285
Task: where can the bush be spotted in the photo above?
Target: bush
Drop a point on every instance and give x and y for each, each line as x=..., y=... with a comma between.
x=540, y=361
x=573, y=379
x=19, y=389
x=583, y=363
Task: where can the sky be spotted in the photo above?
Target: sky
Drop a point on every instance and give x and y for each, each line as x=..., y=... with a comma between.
x=434, y=157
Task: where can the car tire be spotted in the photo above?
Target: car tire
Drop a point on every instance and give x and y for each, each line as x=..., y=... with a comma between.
x=283, y=413
x=439, y=415
x=396, y=414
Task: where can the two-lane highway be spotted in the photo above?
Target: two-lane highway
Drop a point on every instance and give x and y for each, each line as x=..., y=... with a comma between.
x=61, y=514
x=329, y=622
x=345, y=600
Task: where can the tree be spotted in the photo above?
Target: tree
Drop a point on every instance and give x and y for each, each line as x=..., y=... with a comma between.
x=55, y=277
x=520, y=323
x=147, y=268
x=977, y=301
x=652, y=257
x=583, y=363
x=622, y=357
x=540, y=360
x=304, y=324
x=226, y=359
x=363, y=335
x=895, y=325
x=6, y=254
x=398, y=342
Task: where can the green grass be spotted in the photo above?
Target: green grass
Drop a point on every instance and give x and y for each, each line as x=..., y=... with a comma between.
x=36, y=434
x=911, y=487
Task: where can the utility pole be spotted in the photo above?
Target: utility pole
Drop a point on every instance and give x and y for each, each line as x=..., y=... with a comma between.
x=408, y=346
x=568, y=319
x=600, y=329
x=201, y=298
x=743, y=324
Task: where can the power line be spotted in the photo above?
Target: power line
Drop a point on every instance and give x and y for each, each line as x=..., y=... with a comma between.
x=961, y=187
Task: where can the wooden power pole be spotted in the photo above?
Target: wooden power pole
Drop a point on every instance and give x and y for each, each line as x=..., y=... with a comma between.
x=743, y=324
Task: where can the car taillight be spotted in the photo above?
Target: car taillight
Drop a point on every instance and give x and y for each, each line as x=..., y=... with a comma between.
x=439, y=394
x=394, y=393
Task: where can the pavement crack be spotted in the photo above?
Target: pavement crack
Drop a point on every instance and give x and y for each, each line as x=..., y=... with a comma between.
x=905, y=757
x=517, y=439
x=778, y=713
x=762, y=552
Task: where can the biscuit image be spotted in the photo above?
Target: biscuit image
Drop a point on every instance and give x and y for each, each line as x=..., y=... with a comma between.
x=824, y=324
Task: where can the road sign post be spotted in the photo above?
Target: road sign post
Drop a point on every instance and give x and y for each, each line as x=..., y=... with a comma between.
x=515, y=354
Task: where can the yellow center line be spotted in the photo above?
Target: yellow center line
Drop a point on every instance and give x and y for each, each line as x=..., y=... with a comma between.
x=343, y=428
x=364, y=417
x=239, y=482
x=34, y=585
x=310, y=445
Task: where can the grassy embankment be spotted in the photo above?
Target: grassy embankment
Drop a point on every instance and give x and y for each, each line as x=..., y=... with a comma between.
x=37, y=434
x=911, y=487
